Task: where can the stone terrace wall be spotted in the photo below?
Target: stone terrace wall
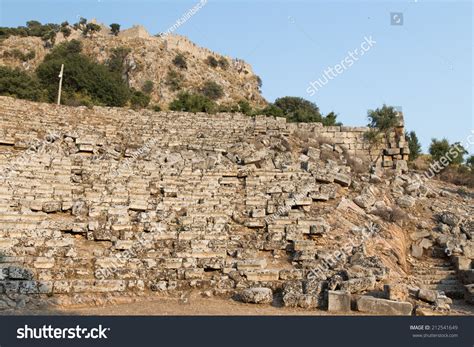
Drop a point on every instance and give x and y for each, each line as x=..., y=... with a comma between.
x=112, y=202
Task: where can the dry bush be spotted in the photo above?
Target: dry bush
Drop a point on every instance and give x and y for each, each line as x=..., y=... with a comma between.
x=421, y=163
x=303, y=135
x=324, y=140
x=460, y=176
x=358, y=165
x=327, y=154
x=393, y=215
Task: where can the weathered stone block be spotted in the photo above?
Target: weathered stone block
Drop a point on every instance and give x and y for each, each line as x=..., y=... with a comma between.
x=251, y=264
x=377, y=306
x=469, y=293
x=364, y=201
x=339, y=301
x=257, y=295
x=44, y=263
x=406, y=201
x=304, y=245
x=427, y=295
x=19, y=273
x=262, y=275
x=52, y=206
x=342, y=179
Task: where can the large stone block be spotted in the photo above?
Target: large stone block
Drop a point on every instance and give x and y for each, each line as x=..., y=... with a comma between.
x=469, y=293
x=44, y=263
x=263, y=275
x=339, y=301
x=342, y=179
x=376, y=306
x=257, y=295
x=52, y=206
x=19, y=273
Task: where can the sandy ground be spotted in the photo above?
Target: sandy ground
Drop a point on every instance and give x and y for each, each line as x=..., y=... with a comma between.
x=199, y=306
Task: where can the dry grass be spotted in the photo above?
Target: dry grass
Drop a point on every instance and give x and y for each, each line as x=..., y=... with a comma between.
x=393, y=215
x=458, y=175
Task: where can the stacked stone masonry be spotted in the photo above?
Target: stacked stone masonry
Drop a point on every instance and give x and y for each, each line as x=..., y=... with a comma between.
x=117, y=201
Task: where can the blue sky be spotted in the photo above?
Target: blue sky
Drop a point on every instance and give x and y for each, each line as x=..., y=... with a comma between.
x=424, y=65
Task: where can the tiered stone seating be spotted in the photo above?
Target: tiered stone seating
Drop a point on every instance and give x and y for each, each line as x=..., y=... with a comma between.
x=118, y=201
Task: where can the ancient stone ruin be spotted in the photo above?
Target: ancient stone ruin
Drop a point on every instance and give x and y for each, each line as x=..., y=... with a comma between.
x=103, y=203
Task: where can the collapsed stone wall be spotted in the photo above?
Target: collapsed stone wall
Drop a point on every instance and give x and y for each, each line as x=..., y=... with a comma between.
x=109, y=201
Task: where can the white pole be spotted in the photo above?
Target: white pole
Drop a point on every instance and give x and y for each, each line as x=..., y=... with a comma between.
x=60, y=83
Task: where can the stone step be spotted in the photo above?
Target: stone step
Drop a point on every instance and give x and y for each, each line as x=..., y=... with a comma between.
x=451, y=280
x=454, y=291
x=438, y=277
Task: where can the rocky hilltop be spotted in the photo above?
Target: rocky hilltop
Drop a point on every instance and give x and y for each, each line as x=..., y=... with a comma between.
x=103, y=204
x=150, y=58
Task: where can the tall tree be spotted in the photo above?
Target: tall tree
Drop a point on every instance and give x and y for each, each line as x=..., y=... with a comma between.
x=413, y=144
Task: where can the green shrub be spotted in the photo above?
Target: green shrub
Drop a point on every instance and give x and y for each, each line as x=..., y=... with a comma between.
x=117, y=58
x=452, y=153
x=470, y=162
x=77, y=99
x=139, y=99
x=297, y=109
x=147, y=87
x=115, y=28
x=156, y=108
x=372, y=137
x=385, y=118
x=223, y=63
x=259, y=82
x=244, y=107
x=331, y=120
x=180, y=61
x=174, y=80
x=414, y=145
x=81, y=75
x=35, y=28
x=212, y=62
x=19, y=84
x=271, y=110
x=30, y=55
x=17, y=54
x=228, y=108
x=66, y=31
x=90, y=29
x=65, y=50
x=188, y=102
x=212, y=90
x=7, y=32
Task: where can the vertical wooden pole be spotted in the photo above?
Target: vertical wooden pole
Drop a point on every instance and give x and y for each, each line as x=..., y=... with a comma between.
x=60, y=83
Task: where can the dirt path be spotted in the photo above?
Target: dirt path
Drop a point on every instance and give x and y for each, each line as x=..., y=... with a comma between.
x=199, y=306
